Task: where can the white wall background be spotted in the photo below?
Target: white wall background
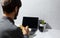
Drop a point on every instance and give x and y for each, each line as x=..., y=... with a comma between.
x=49, y=10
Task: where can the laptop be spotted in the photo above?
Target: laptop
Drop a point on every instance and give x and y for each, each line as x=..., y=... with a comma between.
x=31, y=22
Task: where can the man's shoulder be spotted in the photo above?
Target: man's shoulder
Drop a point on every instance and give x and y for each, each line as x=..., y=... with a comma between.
x=12, y=30
x=3, y=20
x=6, y=24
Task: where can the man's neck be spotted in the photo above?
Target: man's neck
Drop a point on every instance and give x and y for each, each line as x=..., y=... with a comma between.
x=10, y=16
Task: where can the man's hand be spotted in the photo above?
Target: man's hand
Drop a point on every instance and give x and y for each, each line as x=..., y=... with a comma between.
x=25, y=30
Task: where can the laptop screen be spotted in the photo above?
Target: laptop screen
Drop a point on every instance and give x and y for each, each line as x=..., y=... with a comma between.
x=32, y=22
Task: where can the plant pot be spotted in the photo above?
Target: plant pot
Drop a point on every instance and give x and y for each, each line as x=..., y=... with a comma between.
x=42, y=27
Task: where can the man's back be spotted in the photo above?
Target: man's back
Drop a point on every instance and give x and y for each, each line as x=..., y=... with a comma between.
x=9, y=30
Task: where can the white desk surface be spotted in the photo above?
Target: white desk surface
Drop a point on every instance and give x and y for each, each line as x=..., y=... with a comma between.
x=51, y=33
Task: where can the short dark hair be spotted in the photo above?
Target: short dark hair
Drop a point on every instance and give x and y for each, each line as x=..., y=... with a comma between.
x=9, y=6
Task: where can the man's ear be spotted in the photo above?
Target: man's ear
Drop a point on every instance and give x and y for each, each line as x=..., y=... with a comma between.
x=16, y=9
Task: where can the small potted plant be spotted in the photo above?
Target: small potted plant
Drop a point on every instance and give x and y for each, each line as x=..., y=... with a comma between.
x=42, y=25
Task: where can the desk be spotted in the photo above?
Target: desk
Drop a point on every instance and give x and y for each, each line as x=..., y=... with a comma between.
x=50, y=33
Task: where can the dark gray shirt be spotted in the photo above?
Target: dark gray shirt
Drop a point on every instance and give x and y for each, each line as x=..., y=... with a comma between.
x=9, y=30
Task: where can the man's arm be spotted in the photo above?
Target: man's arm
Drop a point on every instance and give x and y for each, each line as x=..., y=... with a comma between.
x=17, y=33
x=25, y=31
x=24, y=36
